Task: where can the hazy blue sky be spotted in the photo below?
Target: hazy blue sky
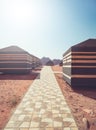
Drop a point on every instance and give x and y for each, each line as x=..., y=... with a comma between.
x=46, y=27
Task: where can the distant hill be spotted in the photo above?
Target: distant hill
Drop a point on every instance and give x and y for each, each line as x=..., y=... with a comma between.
x=45, y=60
x=56, y=61
x=50, y=63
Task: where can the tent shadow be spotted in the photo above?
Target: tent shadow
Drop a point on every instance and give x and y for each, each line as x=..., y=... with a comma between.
x=86, y=91
x=30, y=76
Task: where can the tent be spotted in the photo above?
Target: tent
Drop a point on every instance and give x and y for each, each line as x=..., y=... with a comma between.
x=13, y=59
x=79, y=64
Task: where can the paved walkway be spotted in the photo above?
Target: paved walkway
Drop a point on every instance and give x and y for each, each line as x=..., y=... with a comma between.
x=43, y=107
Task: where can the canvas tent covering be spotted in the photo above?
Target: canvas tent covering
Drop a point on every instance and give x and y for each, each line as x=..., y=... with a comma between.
x=13, y=59
x=79, y=64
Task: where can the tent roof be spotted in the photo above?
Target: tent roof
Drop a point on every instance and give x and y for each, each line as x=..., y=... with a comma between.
x=87, y=43
x=12, y=49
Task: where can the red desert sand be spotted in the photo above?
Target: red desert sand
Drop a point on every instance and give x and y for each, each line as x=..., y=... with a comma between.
x=82, y=102
x=12, y=90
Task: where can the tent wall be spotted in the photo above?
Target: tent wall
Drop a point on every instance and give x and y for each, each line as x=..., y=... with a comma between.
x=15, y=63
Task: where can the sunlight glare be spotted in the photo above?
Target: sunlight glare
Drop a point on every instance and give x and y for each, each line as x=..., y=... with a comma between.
x=22, y=13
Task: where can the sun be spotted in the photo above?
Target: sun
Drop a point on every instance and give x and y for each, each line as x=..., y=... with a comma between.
x=21, y=12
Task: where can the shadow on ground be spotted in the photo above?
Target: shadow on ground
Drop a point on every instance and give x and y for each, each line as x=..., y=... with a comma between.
x=19, y=77
x=31, y=76
x=86, y=91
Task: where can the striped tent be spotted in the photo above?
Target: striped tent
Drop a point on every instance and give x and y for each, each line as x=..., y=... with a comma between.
x=79, y=64
x=14, y=60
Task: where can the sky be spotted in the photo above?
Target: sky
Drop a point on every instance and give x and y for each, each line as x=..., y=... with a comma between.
x=46, y=27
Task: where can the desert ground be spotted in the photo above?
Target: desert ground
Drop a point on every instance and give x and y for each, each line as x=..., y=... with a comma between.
x=82, y=102
x=12, y=90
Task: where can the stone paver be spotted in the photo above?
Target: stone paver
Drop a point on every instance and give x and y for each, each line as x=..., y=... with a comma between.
x=43, y=107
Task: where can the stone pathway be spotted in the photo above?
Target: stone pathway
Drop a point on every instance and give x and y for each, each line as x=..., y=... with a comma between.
x=43, y=107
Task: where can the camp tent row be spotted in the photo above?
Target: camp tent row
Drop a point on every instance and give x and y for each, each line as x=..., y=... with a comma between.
x=13, y=59
x=79, y=64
